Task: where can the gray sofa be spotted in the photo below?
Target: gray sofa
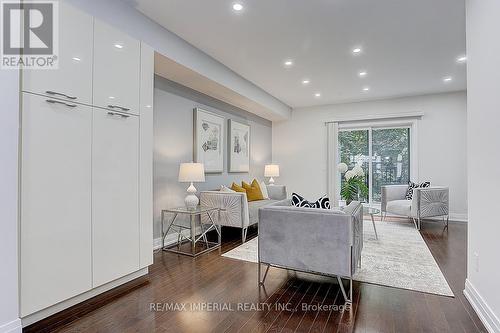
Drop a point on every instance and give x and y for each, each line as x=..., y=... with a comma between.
x=426, y=202
x=319, y=241
x=236, y=210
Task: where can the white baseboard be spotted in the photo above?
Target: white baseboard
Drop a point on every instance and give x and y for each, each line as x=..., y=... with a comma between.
x=171, y=238
x=14, y=326
x=484, y=312
x=458, y=217
x=32, y=318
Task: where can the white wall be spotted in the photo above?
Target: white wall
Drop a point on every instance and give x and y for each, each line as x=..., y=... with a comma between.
x=9, y=125
x=173, y=143
x=299, y=144
x=122, y=15
x=483, y=120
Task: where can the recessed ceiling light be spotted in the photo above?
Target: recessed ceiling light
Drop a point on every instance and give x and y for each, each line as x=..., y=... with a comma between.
x=111, y=97
x=461, y=59
x=317, y=94
x=119, y=46
x=288, y=63
x=237, y=7
x=362, y=73
x=356, y=50
x=306, y=81
x=447, y=79
x=366, y=89
x=76, y=59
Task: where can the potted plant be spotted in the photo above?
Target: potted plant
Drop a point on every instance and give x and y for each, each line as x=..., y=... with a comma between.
x=354, y=185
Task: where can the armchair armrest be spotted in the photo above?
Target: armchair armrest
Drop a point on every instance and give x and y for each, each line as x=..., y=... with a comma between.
x=234, y=207
x=430, y=201
x=276, y=192
x=392, y=192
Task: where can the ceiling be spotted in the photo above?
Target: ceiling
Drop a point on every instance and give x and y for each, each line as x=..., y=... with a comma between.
x=408, y=46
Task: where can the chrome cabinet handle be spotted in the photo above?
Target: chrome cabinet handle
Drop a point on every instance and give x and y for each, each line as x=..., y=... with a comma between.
x=50, y=92
x=118, y=114
x=118, y=107
x=59, y=102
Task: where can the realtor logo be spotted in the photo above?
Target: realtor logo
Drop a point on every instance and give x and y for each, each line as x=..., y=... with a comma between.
x=29, y=34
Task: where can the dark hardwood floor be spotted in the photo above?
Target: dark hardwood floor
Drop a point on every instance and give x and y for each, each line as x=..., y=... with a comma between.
x=218, y=280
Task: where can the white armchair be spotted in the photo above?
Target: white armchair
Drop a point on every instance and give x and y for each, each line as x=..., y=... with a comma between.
x=426, y=202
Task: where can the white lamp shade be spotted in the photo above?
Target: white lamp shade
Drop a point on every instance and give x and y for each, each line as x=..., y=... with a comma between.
x=272, y=170
x=191, y=172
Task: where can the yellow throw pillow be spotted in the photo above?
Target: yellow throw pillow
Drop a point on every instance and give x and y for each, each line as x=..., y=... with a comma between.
x=237, y=188
x=253, y=191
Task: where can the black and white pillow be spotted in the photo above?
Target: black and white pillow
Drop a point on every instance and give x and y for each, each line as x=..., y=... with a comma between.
x=412, y=186
x=300, y=201
x=323, y=202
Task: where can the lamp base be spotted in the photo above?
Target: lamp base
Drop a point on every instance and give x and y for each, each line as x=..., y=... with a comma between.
x=191, y=199
x=271, y=181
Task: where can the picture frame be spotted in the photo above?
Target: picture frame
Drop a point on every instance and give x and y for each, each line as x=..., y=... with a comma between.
x=208, y=130
x=238, y=146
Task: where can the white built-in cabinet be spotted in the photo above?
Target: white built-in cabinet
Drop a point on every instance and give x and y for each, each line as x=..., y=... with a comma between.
x=116, y=69
x=115, y=195
x=146, y=153
x=86, y=165
x=72, y=81
x=56, y=197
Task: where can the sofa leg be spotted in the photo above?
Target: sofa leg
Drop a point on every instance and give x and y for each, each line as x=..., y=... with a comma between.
x=447, y=220
x=415, y=223
x=244, y=234
x=419, y=224
x=261, y=282
x=347, y=299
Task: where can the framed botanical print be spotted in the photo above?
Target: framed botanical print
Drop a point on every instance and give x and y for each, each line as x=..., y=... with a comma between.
x=208, y=140
x=239, y=146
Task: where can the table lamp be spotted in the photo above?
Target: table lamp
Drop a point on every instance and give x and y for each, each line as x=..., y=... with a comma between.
x=271, y=170
x=189, y=173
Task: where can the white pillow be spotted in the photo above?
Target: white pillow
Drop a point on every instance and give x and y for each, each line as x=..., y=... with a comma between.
x=224, y=188
x=263, y=189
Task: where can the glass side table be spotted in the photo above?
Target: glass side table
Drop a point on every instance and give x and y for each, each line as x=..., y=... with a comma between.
x=372, y=211
x=193, y=239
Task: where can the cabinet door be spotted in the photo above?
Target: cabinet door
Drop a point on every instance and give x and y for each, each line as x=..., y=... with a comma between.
x=115, y=196
x=146, y=155
x=72, y=81
x=55, y=227
x=116, y=69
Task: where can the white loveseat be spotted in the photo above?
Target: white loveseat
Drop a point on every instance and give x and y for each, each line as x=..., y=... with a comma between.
x=236, y=210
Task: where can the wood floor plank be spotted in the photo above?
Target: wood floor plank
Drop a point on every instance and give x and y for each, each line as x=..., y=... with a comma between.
x=216, y=279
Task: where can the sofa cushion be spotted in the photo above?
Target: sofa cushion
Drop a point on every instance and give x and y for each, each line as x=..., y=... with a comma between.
x=253, y=209
x=253, y=191
x=237, y=188
x=263, y=189
x=399, y=207
x=412, y=185
x=300, y=201
x=224, y=188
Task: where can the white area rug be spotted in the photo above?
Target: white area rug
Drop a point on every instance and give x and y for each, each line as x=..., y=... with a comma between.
x=399, y=258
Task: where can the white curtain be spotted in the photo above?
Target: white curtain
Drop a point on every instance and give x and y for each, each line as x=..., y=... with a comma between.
x=333, y=181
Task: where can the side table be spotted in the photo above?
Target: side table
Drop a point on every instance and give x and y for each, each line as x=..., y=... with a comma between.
x=192, y=238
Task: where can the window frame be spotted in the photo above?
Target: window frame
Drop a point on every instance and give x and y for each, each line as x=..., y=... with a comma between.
x=411, y=124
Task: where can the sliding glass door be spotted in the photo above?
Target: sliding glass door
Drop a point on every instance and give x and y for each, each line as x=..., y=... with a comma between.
x=384, y=154
x=354, y=149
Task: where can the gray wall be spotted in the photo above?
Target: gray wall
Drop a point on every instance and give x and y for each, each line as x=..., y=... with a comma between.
x=173, y=136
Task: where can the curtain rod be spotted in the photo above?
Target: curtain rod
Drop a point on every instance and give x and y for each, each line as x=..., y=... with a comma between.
x=377, y=117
